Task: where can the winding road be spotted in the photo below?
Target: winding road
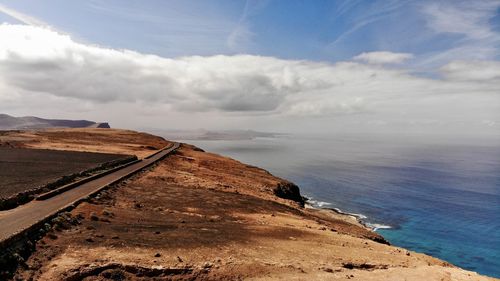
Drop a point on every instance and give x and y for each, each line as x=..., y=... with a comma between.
x=16, y=221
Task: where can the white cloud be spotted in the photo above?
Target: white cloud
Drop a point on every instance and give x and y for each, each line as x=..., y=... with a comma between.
x=469, y=18
x=470, y=22
x=182, y=28
x=241, y=37
x=26, y=19
x=40, y=60
x=42, y=69
x=383, y=57
x=366, y=17
x=472, y=70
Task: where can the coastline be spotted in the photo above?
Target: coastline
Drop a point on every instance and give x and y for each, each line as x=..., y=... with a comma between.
x=201, y=215
x=423, y=196
x=360, y=218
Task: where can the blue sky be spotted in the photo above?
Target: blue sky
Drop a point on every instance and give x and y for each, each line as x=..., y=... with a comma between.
x=311, y=30
x=387, y=65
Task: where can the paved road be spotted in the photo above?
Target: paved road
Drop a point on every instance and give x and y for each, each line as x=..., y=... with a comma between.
x=23, y=217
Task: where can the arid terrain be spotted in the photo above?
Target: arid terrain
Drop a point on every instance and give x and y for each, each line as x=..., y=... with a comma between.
x=23, y=169
x=201, y=216
x=85, y=139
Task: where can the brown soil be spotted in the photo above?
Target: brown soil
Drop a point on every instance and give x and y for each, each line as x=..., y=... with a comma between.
x=86, y=139
x=200, y=216
x=25, y=169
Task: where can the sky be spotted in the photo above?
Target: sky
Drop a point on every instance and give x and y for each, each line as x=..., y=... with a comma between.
x=400, y=67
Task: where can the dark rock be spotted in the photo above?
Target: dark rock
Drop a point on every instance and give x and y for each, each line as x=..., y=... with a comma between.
x=47, y=227
x=93, y=216
x=114, y=274
x=327, y=269
x=18, y=258
x=157, y=255
x=365, y=266
x=290, y=191
x=381, y=240
x=103, y=125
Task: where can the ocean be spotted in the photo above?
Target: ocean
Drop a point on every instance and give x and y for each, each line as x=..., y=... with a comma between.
x=439, y=198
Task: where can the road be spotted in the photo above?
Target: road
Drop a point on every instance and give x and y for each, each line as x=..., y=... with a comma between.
x=17, y=220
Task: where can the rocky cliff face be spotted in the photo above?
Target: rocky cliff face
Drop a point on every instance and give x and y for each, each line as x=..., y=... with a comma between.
x=8, y=122
x=290, y=191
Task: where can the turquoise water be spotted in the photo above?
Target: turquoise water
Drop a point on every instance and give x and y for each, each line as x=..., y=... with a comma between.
x=441, y=199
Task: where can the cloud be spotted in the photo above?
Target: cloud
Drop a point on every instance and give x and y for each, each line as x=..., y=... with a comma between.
x=241, y=37
x=43, y=61
x=472, y=71
x=470, y=22
x=468, y=18
x=175, y=28
x=379, y=10
x=383, y=57
x=26, y=19
x=40, y=68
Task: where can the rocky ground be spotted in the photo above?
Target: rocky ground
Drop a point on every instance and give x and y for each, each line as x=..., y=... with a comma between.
x=201, y=216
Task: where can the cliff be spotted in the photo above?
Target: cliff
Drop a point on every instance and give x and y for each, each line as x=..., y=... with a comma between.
x=201, y=216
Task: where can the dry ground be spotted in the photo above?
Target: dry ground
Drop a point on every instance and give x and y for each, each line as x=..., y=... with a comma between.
x=200, y=216
x=25, y=169
x=85, y=139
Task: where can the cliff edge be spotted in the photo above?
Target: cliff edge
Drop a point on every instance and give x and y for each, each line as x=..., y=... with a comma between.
x=201, y=216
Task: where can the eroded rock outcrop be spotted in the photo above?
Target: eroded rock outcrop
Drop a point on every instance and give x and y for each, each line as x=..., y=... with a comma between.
x=290, y=191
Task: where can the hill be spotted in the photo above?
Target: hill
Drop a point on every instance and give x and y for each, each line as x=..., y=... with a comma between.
x=8, y=122
x=196, y=215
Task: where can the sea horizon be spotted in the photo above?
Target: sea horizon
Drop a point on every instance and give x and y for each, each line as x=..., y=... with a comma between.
x=434, y=197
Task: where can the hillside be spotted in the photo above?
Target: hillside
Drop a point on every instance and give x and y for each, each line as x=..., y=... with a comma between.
x=201, y=216
x=8, y=122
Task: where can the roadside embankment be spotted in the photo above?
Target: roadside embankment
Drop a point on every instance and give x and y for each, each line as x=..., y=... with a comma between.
x=28, y=223
x=26, y=173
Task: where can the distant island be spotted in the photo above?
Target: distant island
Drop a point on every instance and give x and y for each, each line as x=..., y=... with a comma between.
x=8, y=122
x=203, y=134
